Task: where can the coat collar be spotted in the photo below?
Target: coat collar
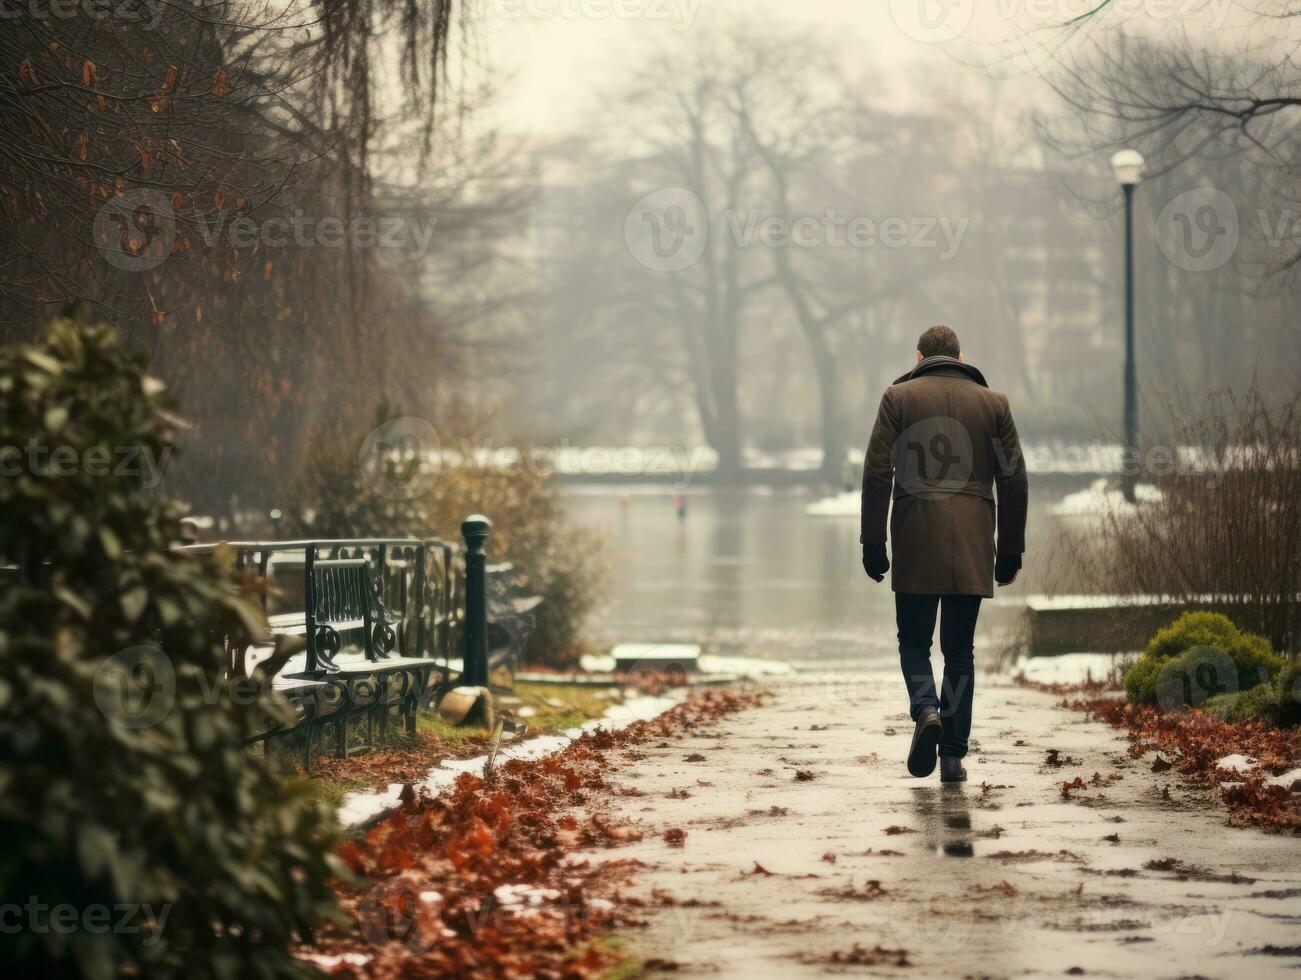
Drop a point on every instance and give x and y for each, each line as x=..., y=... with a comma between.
x=945, y=366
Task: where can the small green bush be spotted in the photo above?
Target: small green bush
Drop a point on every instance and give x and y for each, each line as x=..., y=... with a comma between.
x=1192, y=629
x=1279, y=702
x=1153, y=677
x=125, y=784
x=553, y=558
x=1260, y=701
x=1287, y=689
x=1140, y=680
x=1186, y=681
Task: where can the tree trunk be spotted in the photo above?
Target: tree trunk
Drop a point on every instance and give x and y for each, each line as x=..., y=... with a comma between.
x=833, y=433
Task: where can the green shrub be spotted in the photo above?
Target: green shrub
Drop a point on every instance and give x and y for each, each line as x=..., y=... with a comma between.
x=1260, y=701
x=124, y=780
x=1279, y=702
x=1245, y=661
x=1140, y=680
x=552, y=558
x=1194, y=675
x=1192, y=629
x=1287, y=692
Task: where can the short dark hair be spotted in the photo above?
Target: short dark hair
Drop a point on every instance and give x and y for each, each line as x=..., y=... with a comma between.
x=939, y=339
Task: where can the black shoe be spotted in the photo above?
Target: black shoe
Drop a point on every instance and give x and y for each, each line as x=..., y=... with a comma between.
x=926, y=739
x=951, y=770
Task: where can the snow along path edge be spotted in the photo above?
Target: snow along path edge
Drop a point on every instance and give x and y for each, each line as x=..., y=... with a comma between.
x=367, y=805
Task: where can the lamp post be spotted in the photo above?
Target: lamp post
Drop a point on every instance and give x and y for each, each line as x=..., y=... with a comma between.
x=1127, y=165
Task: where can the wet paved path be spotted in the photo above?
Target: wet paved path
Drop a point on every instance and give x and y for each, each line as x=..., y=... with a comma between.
x=809, y=849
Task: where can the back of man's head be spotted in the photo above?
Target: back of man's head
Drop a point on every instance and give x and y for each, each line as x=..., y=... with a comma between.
x=938, y=340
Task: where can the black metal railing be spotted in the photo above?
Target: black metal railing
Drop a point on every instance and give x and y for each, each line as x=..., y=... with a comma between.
x=403, y=598
x=381, y=596
x=360, y=627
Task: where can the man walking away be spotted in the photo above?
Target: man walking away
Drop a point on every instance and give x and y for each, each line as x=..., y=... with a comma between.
x=942, y=441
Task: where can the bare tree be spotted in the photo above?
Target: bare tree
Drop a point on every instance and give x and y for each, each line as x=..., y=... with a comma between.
x=1189, y=100
x=767, y=134
x=220, y=177
x=1215, y=115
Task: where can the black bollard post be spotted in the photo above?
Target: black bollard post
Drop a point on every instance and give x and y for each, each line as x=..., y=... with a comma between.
x=309, y=606
x=475, y=665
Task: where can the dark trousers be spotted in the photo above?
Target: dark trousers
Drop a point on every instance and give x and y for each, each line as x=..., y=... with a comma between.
x=915, y=616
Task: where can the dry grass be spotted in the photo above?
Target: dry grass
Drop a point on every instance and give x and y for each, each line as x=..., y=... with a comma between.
x=1229, y=521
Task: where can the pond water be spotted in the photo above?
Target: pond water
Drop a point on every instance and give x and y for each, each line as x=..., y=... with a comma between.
x=750, y=570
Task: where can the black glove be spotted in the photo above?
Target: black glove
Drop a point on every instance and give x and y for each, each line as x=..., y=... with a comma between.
x=875, y=563
x=1005, y=568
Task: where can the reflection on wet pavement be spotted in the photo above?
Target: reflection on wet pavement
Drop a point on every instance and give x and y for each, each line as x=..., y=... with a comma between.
x=945, y=819
x=857, y=864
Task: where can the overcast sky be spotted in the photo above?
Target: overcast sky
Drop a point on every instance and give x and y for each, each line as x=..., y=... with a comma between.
x=554, y=56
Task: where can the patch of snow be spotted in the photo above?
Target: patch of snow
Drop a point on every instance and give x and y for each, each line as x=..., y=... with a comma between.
x=1100, y=499
x=596, y=663
x=364, y=804
x=657, y=652
x=711, y=663
x=1068, y=668
x=331, y=962
x=523, y=894
x=1236, y=763
x=1285, y=780
x=708, y=663
x=634, y=709
x=1050, y=603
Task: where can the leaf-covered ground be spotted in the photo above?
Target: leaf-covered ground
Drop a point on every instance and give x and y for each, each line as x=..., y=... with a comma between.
x=1195, y=743
x=1062, y=855
x=402, y=759
x=482, y=881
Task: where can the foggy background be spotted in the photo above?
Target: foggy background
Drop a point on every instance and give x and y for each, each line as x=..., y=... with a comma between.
x=666, y=248
x=709, y=226
x=767, y=350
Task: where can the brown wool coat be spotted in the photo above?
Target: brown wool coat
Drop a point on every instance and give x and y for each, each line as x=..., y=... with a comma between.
x=942, y=441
